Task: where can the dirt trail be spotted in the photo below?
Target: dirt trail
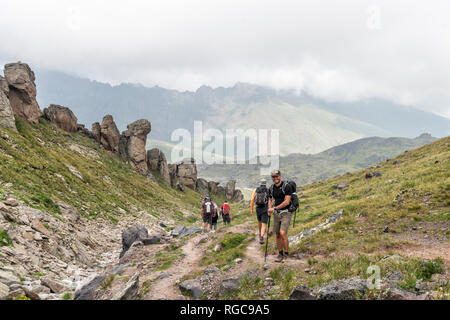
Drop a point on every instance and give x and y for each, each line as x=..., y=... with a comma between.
x=193, y=251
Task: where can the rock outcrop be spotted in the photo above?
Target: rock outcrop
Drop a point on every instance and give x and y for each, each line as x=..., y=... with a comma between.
x=132, y=234
x=186, y=173
x=202, y=186
x=6, y=114
x=237, y=196
x=22, y=91
x=157, y=162
x=97, y=132
x=109, y=134
x=132, y=144
x=62, y=116
x=212, y=186
x=348, y=289
x=229, y=189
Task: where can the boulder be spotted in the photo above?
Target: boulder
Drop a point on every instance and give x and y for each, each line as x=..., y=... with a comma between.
x=237, y=196
x=22, y=91
x=96, y=132
x=62, y=116
x=6, y=113
x=229, y=189
x=131, y=290
x=83, y=130
x=53, y=285
x=396, y=293
x=370, y=175
x=192, y=288
x=187, y=173
x=132, y=234
x=4, y=291
x=109, y=134
x=342, y=186
x=212, y=187
x=221, y=190
x=348, y=289
x=132, y=144
x=202, y=186
x=229, y=285
x=173, y=174
x=301, y=293
x=157, y=161
x=90, y=290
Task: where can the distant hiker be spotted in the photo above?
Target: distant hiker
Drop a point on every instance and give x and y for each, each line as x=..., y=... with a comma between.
x=215, y=217
x=280, y=193
x=207, y=211
x=225, y=211
x=260, y=198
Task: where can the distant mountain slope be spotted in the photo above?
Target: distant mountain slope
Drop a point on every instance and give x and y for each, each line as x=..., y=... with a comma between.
x=307, y=168
x=307, y=124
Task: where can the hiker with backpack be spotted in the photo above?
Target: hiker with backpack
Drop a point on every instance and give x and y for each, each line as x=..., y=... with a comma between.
x=206, y=212
x=283, y=201
x=215, y=217
x=225, y=211
x=260, y=198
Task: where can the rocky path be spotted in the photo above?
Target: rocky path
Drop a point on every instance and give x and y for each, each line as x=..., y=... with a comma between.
x=164, y=285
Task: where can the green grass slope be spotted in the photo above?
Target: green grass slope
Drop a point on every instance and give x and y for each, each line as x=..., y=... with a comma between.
x=308, y=168
x=405, y=211
x=42, y=164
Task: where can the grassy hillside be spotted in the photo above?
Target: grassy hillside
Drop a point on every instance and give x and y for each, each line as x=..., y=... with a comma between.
x=308, y=168
x=405, y=211
x=42, y=164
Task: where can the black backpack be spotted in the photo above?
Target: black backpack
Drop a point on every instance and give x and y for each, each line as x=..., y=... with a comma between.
x=295, y=203
x=261, y=196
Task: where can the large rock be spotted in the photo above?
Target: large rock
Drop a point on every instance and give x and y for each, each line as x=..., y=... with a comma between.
x=229, y=189
x=62, y=116
x=96, y=132
x=301, y=293
x=22, y=91
x=132, y=234
x=229, y=285
x=192, y=288
x=202, y=186
x=4, y=291
x=212, y=186
x=6, y=114
x=157, y=161
x=132, y=144
x=221, y=190
x=173, y=174
x=90, y=290
x=131, y=290
x=110, y=135
x=187, y=173
x=237, y=196
x=348, y=289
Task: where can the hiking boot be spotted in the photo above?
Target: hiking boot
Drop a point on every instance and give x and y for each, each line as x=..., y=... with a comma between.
x=279, y=258
x=261, y=240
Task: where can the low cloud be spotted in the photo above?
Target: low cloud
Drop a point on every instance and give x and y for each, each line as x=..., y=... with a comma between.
x=339, y=51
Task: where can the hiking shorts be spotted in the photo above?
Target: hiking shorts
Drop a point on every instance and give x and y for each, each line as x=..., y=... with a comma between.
x=261, y=214
x=281, y=221
x=226, y=218
x=207, y=218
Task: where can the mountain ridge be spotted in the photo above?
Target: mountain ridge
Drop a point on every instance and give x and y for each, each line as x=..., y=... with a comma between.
x=312, y=124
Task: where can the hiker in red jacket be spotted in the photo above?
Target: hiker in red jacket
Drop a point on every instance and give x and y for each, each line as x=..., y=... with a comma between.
x=225, y=211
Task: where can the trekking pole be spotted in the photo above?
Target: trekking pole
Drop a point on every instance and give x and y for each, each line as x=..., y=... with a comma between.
x=267, y=242
x=295, y=216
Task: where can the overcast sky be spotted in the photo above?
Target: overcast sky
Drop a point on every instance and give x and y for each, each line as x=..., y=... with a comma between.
x=337, y=50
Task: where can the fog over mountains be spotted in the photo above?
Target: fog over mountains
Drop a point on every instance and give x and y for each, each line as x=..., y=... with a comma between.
x=307, y=124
